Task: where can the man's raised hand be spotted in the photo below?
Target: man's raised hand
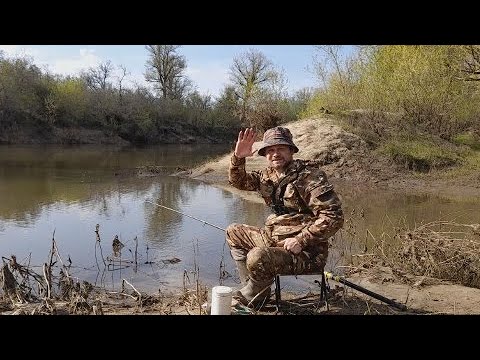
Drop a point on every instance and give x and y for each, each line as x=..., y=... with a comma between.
x=245, y=141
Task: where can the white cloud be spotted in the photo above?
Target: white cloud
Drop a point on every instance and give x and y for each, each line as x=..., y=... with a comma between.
x=9, y=49
x=75, y=64
x=46, y=58
x=136, y=79
x=18, y=50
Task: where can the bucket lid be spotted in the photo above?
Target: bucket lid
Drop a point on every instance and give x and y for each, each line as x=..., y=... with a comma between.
x=222, y=290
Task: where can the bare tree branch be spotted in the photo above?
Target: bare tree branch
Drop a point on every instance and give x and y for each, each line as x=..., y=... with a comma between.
x=165, y=69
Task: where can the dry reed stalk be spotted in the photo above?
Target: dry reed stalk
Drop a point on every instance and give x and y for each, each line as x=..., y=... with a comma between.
x=444, y=250
x=133, y=287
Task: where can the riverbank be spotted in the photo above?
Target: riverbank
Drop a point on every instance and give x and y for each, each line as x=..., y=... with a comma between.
x=346, y=159
x=348, y=162
x=175, y=134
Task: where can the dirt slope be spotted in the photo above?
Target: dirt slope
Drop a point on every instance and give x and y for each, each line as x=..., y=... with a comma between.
x=346, y=158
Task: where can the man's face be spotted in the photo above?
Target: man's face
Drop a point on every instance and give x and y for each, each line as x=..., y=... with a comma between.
x=279, y=156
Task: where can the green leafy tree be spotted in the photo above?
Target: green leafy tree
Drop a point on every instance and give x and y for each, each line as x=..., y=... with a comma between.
x=402, y=88
x=70, y=100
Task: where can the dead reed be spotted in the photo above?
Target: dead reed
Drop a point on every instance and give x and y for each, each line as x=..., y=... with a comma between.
x=444, y=250
x=441, y=249
x=55, y=291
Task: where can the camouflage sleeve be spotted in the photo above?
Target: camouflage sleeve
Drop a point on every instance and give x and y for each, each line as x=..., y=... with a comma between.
x=239, y=178
x=322, y=200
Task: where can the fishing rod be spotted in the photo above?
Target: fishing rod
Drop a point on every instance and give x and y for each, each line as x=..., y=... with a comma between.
x=344, y=281
x=328, y=275
x=190, y=216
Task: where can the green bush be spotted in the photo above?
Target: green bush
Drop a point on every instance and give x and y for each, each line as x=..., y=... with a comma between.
x=425, y=84
x=420, y=155
x=469, y=139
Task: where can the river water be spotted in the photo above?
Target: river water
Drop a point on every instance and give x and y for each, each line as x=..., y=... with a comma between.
x=62, y=193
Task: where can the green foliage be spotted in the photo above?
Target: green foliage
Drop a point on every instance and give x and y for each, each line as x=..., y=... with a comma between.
x=298, y=103
x=420, y=155
x=473, y=160
x=21, y=90
x=469, y=139
x=422, y=83
x=425, y=85
x=317, y=104
x=70, y=100
x=38, y=102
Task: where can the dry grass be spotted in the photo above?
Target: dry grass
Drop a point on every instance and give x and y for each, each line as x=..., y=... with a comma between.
x=55, y=291
x=437, y=250
x=340, y=301
x=440, y=249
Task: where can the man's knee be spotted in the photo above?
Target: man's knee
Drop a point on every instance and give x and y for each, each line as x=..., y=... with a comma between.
x=230, y=232
x=232, y=228
x=255, y=256
x=260, y=264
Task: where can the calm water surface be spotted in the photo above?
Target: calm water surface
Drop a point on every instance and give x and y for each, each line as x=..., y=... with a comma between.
x=63, y=192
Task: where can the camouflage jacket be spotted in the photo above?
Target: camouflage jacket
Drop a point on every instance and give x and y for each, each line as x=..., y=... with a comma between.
x=310, y=210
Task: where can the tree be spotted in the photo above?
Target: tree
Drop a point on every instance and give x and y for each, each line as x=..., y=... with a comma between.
x=96, y=77
x=198, y=107
x=165, y=69
x=121, y=77
x=470, y=67
x=250, y=73
x=69, y=103
x=22, y=92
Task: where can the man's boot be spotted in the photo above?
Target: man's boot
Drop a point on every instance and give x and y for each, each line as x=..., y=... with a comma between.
x=255, y=293
x=244, y=278
x=242, y=271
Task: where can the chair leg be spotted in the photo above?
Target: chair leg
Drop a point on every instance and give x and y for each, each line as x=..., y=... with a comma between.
x=322, y=287
x=323, y=290
x=278, y=296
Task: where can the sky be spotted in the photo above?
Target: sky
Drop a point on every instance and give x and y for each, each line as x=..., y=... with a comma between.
x=207, y=65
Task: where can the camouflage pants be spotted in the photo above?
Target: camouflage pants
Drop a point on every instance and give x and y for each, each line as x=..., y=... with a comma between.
x=264, y=260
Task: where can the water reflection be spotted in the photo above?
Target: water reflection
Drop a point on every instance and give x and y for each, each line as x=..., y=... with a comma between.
x=31, y=177
x=373, y=215
x=45, y=191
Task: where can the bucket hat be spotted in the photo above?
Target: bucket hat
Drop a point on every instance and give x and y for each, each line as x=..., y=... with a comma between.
x=276, y=136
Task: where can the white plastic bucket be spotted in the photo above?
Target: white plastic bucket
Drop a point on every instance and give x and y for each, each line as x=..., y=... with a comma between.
x=221, y=300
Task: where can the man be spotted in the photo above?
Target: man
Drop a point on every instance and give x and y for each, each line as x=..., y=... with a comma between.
x=306, y=212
